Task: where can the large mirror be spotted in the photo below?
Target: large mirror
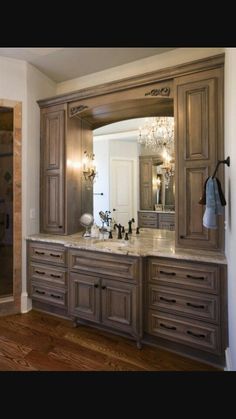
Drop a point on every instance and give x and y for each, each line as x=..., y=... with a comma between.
x=130, y=171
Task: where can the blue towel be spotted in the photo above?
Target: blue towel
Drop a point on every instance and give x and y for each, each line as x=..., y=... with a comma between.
x=213, y=204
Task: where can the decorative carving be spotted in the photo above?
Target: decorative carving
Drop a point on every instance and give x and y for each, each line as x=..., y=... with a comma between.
x=77, y=109
x=164, y=91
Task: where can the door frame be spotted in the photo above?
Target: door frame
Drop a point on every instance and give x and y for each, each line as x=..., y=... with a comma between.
x=12, y=304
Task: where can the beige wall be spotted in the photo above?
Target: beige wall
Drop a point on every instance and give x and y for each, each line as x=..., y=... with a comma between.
x=156, y=62
x=230, y=173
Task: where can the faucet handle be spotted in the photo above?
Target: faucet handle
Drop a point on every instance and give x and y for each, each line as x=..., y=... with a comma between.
x=137, y=230
x=123, y=229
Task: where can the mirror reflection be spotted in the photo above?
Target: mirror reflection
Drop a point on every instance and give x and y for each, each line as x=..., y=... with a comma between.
x=135, y=172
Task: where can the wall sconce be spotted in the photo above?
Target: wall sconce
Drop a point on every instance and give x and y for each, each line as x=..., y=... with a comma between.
x=88, y=167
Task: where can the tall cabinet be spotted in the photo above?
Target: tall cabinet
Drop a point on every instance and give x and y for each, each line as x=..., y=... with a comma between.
x=199, y=144
x=63, y=194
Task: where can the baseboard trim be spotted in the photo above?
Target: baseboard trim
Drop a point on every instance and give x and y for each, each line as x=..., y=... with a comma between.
x=228, y=360
x=26, y=303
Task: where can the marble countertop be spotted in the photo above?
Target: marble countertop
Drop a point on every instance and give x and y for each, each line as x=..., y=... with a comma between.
x=150, y=242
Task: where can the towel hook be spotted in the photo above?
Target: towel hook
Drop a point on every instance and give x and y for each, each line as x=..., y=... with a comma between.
x=226, y=161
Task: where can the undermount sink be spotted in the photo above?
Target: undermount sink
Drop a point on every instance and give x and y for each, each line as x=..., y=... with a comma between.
x=107, y=244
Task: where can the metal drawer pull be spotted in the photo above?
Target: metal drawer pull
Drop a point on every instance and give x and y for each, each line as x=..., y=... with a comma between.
x=195, y=305
x=40, y=292
x=40, y=272
x=55, y=256
x=56, y=296
x=168, y=273
x=55, y=276
x=39, y=253
x=196, y=277
x=196, y=335
x=167, y=300
x=168, y=327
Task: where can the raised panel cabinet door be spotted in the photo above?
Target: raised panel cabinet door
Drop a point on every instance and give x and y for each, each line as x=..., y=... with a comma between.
x=145, y=184
x=84, y=296
x=119, y=306
x=199, y=144
x=52, y=199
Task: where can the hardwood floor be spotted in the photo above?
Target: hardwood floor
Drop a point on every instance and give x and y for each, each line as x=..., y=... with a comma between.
x=39, y=342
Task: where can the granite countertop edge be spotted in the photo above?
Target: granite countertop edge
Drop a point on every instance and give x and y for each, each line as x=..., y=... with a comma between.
x=167, y=252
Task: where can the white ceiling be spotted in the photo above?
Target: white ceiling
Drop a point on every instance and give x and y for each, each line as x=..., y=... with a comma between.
x=61, y=64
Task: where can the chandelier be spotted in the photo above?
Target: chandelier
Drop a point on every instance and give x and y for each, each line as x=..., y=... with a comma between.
x=157, y=134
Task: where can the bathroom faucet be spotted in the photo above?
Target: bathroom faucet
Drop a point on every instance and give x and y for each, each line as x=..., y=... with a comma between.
x=119, y=226
x=130, y=225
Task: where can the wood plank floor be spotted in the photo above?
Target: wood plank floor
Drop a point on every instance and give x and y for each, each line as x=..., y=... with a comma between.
x=39, y=342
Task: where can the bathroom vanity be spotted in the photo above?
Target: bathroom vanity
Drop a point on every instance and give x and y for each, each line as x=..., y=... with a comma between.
x=143, y=288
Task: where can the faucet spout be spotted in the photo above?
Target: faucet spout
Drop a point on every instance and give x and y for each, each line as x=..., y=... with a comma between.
x=119, y=226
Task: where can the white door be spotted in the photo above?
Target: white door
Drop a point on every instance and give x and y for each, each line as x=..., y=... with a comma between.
x=122, y=192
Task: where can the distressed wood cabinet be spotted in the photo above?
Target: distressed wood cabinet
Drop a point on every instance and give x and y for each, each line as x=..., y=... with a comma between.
x=106, y=289
x=185, y=303
x=47, y=277
x=63, y=195
x=199, y=144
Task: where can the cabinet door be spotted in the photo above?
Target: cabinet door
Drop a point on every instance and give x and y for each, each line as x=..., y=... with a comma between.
x=199, y=144
x=119, y=306
x=52, y=172
x=84, y=296
x=146, y=184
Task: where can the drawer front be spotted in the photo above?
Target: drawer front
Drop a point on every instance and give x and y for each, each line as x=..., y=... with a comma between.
x=47, y=253
x=151, y=216
x=48, y=295
x=150, y=224
x=190, y=276
x=195, y=305
x=48, y=274
x=198, y=335
x=119, y=267
x=165, y=218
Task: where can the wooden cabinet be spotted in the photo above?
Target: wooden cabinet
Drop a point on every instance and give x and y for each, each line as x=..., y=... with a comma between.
x=63, y=194
x=199, y=144
x=185, y=304
x=148, y=219
x=146, y=198
x=106, y=289
x=153, y=219
x=47, y=277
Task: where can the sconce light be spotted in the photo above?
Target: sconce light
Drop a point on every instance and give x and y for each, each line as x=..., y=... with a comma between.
x=88, y=167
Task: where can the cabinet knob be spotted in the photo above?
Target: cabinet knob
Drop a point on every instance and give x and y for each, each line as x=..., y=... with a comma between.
x=103, y=287
x=181, y=237
x=60, y=226
x=96, y=285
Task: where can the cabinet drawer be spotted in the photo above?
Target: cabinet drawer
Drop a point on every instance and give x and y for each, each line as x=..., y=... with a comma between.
x=45, y=294
x=119, y=267
x=47, y=253
x=198, y=335
x=151, y=216
x=48, y=274
x=165, y=218
x=195, y=305
x=150, y=224
x=194, y=276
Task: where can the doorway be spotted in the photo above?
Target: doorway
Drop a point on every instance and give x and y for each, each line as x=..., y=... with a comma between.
x=10, y=206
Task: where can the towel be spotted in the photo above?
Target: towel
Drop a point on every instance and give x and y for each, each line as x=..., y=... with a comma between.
x=213, y=204
x=222, y=198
